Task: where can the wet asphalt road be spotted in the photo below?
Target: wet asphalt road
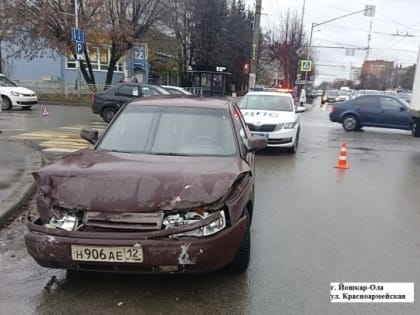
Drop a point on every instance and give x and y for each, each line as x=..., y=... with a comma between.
x=313, y=225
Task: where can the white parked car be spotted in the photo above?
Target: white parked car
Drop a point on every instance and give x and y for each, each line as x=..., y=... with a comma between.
x=272, y=115
x=13, y=95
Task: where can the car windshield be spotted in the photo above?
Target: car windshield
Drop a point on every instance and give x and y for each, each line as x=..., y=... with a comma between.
x=165, y=130
x=6, y=82
x=267, y=102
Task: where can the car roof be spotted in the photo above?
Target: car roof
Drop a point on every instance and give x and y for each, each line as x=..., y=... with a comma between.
x=182, y=101
x=268, y=93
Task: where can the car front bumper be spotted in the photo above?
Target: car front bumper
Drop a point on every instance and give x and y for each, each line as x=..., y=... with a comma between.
x=52, y=248
x=24, y=100
x=284, y=138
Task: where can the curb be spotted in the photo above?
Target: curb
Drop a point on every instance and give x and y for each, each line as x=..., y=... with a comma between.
x=27, y=187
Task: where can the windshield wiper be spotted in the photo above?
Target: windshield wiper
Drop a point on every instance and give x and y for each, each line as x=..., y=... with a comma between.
x=170, y=153
x=120, y=151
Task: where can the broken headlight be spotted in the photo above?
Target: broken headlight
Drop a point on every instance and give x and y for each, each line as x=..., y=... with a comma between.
x=181, y=219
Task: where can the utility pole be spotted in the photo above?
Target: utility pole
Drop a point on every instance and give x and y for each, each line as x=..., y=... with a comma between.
x=301, y=19
x=255, y=41
x=369, y=38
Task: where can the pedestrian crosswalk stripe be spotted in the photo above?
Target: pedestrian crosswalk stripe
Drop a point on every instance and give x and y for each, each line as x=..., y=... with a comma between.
x=63, y=140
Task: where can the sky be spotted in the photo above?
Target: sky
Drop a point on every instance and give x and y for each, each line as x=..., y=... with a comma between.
x=391, y=17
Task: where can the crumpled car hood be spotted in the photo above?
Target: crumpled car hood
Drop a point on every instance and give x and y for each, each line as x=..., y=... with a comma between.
x=106, y=181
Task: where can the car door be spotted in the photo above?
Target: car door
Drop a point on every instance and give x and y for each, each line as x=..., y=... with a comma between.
x=126, y=92
x=395, y=113
x=368, y=109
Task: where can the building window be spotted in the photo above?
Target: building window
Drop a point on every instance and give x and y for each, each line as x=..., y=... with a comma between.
x=99, y=59
x=70, y=62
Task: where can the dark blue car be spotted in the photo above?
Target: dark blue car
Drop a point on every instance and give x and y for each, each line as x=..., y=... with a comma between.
x=372, y=111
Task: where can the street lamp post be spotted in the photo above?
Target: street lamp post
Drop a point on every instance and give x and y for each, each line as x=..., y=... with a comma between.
x=369, y=10
x=254, y=52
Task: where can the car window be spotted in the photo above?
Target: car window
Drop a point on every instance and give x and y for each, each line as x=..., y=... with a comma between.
x=171, y=131
x=331, y=93
x=364, y=102
x=153, y=90
x=241, y=127
x=129, y=90
x=267, y=102
x=6, y=82
x=390, y=104
x=148, y=91
x=130, y=132
x=173, y=91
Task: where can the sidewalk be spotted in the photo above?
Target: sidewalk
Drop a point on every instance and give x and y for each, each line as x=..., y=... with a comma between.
x=17, y=162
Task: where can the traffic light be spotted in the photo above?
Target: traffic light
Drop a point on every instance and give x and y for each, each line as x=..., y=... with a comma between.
x=245, y=68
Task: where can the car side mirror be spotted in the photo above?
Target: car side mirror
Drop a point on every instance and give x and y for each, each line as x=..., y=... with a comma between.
x=90, y=135
x=256, y=143
x=402, y=108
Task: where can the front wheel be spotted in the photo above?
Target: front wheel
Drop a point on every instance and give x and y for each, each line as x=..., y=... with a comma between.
x=6, y=104
x=108, y=113
x=415, y=127
x=293, y=149
x=241, y=261
x=350, y=123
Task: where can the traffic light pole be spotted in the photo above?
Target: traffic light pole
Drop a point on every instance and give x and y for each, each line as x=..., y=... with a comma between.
x=255, y=40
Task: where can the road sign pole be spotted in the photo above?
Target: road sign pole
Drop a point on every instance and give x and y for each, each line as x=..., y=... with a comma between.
x=79, y=76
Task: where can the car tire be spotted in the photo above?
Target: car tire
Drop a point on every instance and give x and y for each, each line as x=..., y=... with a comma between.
x=108, y=113
x=6, y=104
x=350, y=123
x=415, y=128
x=293, y=149
x=242, y=257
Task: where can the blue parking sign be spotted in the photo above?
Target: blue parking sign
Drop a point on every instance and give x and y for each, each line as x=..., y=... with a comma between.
x=79, y=48
x=77, y=35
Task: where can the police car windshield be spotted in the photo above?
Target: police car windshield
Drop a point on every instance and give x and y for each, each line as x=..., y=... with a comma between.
x=267, y=102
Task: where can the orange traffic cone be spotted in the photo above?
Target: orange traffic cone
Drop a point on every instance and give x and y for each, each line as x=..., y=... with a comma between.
x=342, y=160
x=45, y=112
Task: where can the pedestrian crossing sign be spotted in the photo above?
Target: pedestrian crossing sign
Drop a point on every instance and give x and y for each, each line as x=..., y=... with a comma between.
x=306, y=65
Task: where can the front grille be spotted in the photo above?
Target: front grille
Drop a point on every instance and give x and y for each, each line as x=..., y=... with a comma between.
x=28, y=103
x=266, y=128
x=28, y=95
x=124, y=221
x=280, y=141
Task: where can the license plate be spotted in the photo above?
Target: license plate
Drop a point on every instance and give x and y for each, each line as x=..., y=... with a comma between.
x=260, y=134
x=107, y=254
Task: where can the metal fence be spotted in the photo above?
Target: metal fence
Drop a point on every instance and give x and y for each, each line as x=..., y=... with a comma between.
x=72, y=89
x=59, y=88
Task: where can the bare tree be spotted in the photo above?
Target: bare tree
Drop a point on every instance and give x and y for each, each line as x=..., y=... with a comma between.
x=284, y=43
x=180, y=20
x=117, y=24
x=6, y=28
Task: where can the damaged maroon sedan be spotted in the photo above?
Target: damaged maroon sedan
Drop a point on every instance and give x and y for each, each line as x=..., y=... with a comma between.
x=169, y=187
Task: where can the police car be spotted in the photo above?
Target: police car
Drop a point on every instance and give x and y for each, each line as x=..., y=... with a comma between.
x=272, y=115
